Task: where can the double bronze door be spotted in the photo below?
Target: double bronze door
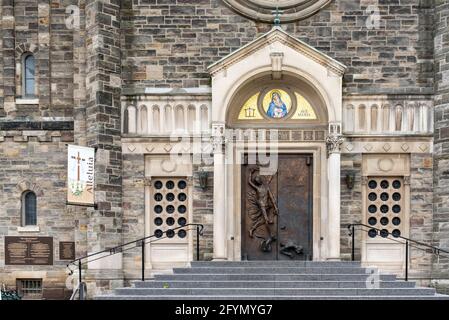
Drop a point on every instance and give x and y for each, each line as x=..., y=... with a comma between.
x=277, y=210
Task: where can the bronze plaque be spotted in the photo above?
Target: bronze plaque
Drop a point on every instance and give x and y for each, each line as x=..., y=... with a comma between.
x=277, y=210
x=66, y=250
x=29, y=250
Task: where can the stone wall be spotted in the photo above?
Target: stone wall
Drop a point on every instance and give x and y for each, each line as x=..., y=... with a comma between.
x=133, y=223
x=203, y=211
x=103, y=107
x=133, y=44
x=36, y=161
x=421, y=195
x=170, y=43
x=351, y=203
x=441, y=137
x=26, y=27
x=421, y=213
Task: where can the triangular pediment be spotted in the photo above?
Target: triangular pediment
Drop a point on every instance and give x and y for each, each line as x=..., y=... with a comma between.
x=277, y=34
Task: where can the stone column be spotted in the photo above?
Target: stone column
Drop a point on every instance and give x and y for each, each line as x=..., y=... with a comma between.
x=333, y=141
x=441, y=136
x=43, y=59
x=7, y=32
x=219, y=192
x=103, y=89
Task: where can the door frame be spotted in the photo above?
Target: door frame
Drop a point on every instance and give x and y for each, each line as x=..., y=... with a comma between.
x=319, y=189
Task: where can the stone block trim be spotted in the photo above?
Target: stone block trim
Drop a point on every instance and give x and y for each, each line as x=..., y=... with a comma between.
x=36, y=135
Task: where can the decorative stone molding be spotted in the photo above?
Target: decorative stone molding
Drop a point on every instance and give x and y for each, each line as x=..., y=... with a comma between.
x=333, y=143
x=377, y=115
x=20, y=50
x=26, y=47
x=143, y=146
x=263, y=10
x=407, y=180
x=364, y=180
x=276, y=65
x=393, y=145
x=218, y=138
x=26, y=185
x=166, y=166
x=165, y=115
x=386, y=164
x=147, y=181
x=38, y=135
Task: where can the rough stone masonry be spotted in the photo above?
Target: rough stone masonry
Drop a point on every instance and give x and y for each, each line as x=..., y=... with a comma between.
x=119, y=48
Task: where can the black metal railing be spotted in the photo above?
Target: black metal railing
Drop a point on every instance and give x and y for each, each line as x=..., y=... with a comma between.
x=397, y=238
x=79, y=262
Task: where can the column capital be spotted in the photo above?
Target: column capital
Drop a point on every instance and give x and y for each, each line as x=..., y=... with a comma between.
x=333, y=143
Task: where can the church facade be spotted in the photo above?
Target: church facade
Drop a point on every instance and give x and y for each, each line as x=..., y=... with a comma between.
x=273, y=124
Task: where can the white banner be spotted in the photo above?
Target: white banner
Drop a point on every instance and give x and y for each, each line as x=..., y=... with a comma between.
x=80, y=175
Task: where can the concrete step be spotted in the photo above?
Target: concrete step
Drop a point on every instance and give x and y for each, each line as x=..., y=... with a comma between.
x=273, y=280
x=270, y=297
x=269, y=284
x=273, y=292
x=269, y=270
x=271, y=277
x=279, y=263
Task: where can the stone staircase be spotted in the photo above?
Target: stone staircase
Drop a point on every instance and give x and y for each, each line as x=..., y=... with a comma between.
x=272, y=280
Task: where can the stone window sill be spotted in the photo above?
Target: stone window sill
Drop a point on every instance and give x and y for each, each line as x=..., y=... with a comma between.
x=27, y=101
x=28, y=229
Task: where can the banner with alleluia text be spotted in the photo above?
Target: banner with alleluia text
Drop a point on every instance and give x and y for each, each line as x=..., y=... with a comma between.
x=80, y=175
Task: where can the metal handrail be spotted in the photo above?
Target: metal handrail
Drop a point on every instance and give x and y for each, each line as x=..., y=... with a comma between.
x=435, y=250
x=81, y=288
x=140, y=242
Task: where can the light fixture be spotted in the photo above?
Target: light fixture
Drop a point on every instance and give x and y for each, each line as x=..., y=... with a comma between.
x=203, y=176
x=350, y=178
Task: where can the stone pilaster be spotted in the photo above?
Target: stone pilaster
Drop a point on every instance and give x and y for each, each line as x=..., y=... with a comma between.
x=103, y=130
x=78, y=29
x=43, y=56
x=441, y=137
x=8, y=46
x=218, y=141
x=2, y=111
x=333, y=142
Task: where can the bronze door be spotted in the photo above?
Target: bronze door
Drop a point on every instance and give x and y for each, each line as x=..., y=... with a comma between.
x=277, y=210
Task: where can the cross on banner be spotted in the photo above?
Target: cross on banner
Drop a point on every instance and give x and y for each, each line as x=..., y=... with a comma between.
x=79, y=159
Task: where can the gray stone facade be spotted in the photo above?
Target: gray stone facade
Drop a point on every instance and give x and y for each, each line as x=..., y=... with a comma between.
x=123, y=47
x=441, y=155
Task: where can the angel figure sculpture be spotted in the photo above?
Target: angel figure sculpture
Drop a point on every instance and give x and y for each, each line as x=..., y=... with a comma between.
x=263, y=201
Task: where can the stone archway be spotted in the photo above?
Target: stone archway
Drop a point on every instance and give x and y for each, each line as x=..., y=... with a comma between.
x=278, y=58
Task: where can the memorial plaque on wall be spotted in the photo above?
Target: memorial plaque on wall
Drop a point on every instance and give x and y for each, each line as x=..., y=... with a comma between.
x=66, y=250
x=28, y=250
